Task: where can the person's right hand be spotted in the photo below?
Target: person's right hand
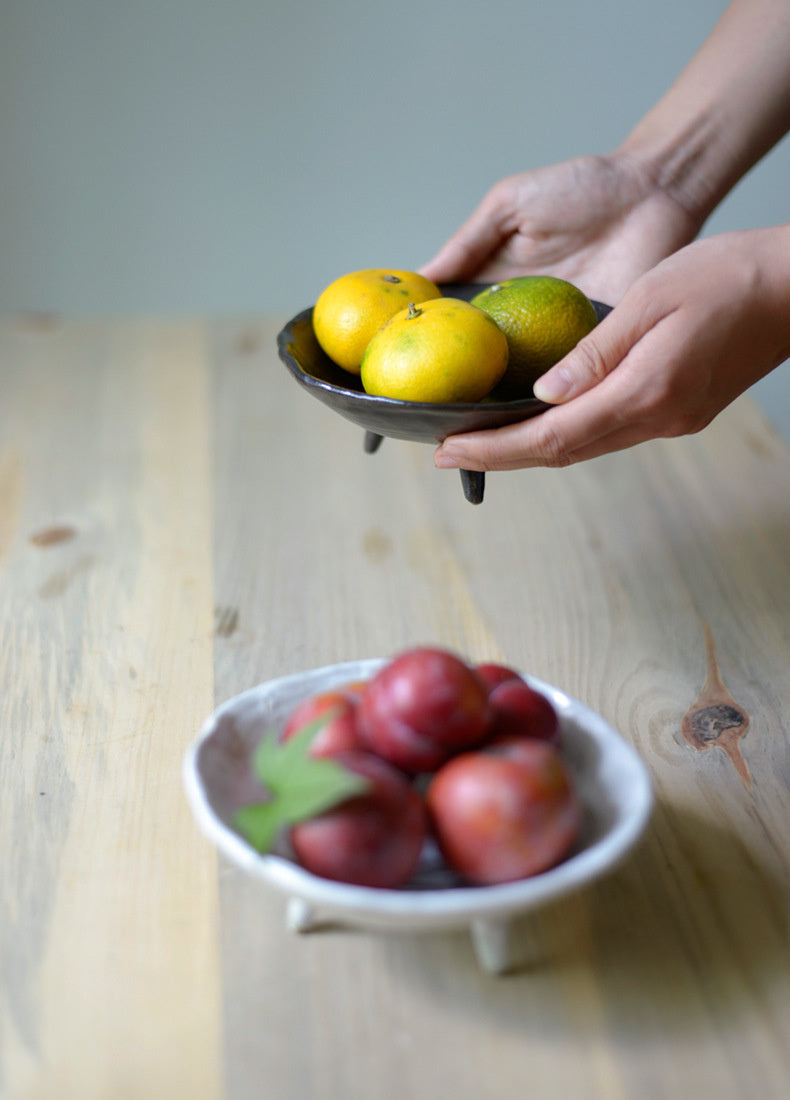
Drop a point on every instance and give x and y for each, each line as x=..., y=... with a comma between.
x=686, y=339
x=599, y=222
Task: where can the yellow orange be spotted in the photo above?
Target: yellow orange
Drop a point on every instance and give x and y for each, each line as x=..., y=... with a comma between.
x=354, y=307
x=442, y=350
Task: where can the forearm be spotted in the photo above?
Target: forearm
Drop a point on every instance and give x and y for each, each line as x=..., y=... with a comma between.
x=725, y=111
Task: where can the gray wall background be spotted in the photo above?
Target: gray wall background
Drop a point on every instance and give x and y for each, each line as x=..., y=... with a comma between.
x=184, y=156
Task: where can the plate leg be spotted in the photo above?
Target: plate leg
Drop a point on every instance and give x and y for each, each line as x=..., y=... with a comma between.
x=474, y=483
x=299, y=915
x=491, y=942
x=372, y=442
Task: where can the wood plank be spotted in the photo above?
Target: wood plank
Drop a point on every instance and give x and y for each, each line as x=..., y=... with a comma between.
x=108, y=896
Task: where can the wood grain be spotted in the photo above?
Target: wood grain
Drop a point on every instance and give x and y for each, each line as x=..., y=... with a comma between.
x=110, y=974
x=227, y=529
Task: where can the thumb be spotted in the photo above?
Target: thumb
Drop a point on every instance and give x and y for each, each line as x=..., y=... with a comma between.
x=459, y=259
x=594, y=357
x=468, y=250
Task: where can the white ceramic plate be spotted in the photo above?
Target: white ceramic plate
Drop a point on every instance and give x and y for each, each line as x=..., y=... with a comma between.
x=610, y=778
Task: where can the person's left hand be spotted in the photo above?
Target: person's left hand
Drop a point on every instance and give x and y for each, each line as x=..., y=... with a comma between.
x=685, y=340
x=599, y=222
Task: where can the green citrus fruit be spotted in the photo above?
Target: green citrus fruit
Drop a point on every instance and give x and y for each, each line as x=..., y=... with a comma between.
x=543, y=319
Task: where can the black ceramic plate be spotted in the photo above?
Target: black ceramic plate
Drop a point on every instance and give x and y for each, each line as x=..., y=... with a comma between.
x=384, y=416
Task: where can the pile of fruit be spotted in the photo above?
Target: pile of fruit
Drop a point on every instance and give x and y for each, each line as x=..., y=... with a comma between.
x=431, y=750
x=406, y=340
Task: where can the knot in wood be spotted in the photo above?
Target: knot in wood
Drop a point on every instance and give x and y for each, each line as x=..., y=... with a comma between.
x=709, y=723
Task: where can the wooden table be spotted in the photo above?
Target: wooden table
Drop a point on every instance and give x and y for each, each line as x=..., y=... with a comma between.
x=179, y=521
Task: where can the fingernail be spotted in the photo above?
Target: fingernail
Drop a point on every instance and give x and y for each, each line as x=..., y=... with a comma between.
x=553, y=386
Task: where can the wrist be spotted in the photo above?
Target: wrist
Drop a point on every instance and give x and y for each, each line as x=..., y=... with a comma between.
x=678, y=165
x=728, y=107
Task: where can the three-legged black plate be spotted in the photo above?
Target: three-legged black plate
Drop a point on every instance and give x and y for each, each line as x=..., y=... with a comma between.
x=383, y=416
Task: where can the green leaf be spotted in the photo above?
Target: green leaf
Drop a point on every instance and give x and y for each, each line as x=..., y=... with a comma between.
x=260, y=824
x=314, y=788
x=275, y=760
x=301, y=785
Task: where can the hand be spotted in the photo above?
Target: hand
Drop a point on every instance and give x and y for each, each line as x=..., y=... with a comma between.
x=684, y=342
x=599, y=222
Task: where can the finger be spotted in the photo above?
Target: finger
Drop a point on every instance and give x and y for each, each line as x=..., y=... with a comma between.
x=618, y=440
x=601, y=351
x=460, y=259
x=469, y=248
x=620, y=407
x=522, y=447
x=593, y=358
